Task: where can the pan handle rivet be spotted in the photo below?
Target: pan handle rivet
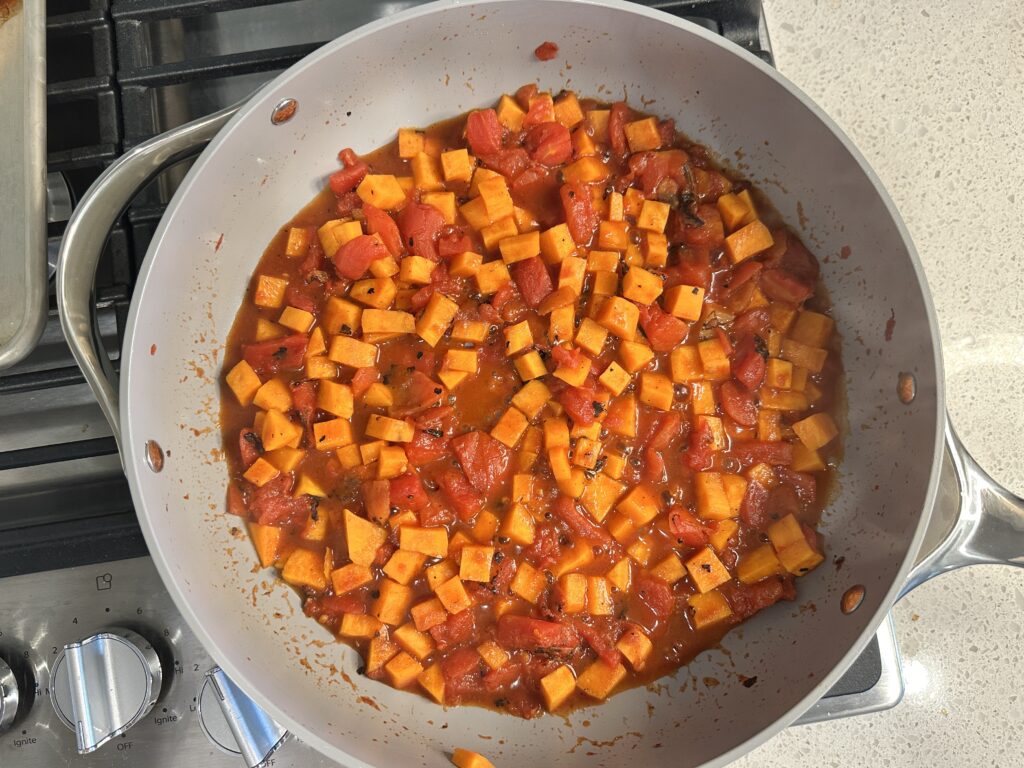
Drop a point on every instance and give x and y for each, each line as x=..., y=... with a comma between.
x=852, y=598
x=906, y=388
x=154, y=456
x=284, y=111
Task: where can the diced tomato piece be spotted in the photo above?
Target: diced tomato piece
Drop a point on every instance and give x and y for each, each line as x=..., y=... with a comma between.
x=347, y=203
x=656, y=595
x=739, y=404
x=789, y=254
x=380, y=222
x=508, y=162
x=272, y=504
x=441, y=417
x=669, y=427
x=299, y=296
x=533, y=280
x=452, y=242
x=694, y=268
x=753, y=321
x=698, y=456
x=407, y=492
x=780, y=285
x=236, y=501
x=710, y=233
x=434, y=515
x=463, y=670
x=502, y=678
x=335, y=606
x=782, y=501
x=483, y=132
x=578, y=521
x=540, y=111
x=535, y=183
x=525, y=94
x=579, y=212
x=686, y=527
x=522, y=633
x=546, y=51
x=314, y=261
x=276, y=355
x=421, y=298
x=503, y=296
x=502, y=577
x=562, y=355
x=423, y=390
x=425, y=448
x=748, y=361
x=250, y=447
x=354, y=257
x=601, y=636
x=748, y=599
x=549, y=144
x=460, y=494
x=579, y=403
x=804, y=483
x=377, y=499
x=667, y=132
x=664, y=331
x=484, y=460
x=652, y=169
x=457, y=629
x=740, y=275
x=348, y=178
x=545, y=548
x=723, y=339
x=753, y=509
x=758, y=452
x=421, y=226
x=362, y=378
x=617, y=119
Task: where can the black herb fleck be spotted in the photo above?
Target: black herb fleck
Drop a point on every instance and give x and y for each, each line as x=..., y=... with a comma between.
x=760, y=347
x=750, y=682
x=434, y=432
x=280, y=352
x=598, y=408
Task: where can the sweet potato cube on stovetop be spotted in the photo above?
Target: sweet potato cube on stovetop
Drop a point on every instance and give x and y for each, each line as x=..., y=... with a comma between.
x=453, y=595
x=464, y=758
x=635, y=646
x=393, y=604
x=758, y=564
x=432, y=542
x=349, y=577
x=305, y=568
x=708, y=608
x=599, y=679
x=432, y=681
x=267, y=541
x=417, y=644
x=475, y=563
x=363, y=537
x=403, y=670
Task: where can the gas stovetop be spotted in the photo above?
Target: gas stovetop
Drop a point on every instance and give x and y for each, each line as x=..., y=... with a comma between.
x=73, y=565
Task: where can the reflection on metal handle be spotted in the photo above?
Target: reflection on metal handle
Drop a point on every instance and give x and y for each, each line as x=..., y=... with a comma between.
x=989, y=528
x=257, y=736
x=8, y=696
x=87, y=233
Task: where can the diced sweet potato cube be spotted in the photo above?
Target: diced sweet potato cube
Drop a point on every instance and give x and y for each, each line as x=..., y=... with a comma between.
x=465, y=264
x=457, y=165
x=656, y=391
x=712, y=501
x=643, y=135
x=811, y=358
x=735, y=489
x=404, y=566
x=417, y=644
x=556, y=243
x=532, y=398
x=634, y=355
x=806, y=460
x=381, y=190
x=380, y=651
x=586, y=453
x=706, y=570
x=530, y=366
x=748, y=241
x=641, y=505
x=601, y=495
x=274, y=395
x=428, y=613
x=528, y=582
x=713, y=359
x=591, y=336
x=475, y=563
x=573, y=587
x=684, y=301
x=436, y=317
x=778, y=374
x=432, y=542
x=403, y=670
x=669, y=569
x=573, y=560
x=279, y=431
x=307, y=486
x=556, y=687
x=599, y=679
x=816, y=431
x=574, y=373
x=475, y=212
x=498, y=231
x=453, y=595
x=736, y=210
x=686, y=365
x=812, y=329
x=493, y=654
x=653, y=216
x=359, y=625
x=341, y=316
x=352, y=352
x=571, y=274
x=615, y=378
x=491, y=276
x=758, y=564
x=613, y=235
x=261, y=472
x=244, y=382
x=510, y=427
x=269, y=291
x=332, y=434
x=439, y=573
x=305, y=568
x=379, y=395
x=517, y=338
x=518, y=526
x=599, y=596
x=267, y=541
x=393, y=604
x=386, y=428
x=708, y=608
x=641, y=286
x=363, y=538
x=619, y=316
x=519, y=247
x=370, y=452
x=349, y=577
x=410, y=142
x=635, y=646
x=587, y=169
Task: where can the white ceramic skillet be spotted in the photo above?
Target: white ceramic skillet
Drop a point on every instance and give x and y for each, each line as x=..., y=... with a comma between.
x=417, y=67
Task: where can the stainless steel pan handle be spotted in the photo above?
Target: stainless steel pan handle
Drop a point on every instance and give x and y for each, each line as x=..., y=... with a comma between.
x=989, y=527
x=87, y=233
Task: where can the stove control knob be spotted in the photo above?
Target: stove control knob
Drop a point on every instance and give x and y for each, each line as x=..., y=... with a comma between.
x=9, y=696
x=105, y=684
x=236, y=723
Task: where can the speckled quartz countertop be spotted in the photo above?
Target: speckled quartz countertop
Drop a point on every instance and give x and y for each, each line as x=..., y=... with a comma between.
x=931, y=92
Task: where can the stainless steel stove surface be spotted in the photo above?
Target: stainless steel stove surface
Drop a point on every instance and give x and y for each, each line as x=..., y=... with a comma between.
x=74, y=570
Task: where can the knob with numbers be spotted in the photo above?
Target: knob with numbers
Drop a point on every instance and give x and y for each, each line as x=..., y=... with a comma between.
x=9, y=696
x=103, y=685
